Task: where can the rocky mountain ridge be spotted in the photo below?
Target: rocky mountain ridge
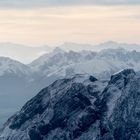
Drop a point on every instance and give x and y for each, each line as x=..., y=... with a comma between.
x=20, y=82
x=81, y=108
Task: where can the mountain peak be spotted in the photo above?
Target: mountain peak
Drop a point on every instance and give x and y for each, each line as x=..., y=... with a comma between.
x=71, y=110
x=109, y=43
x=124, y=74
x=8, y=65
x=58, y=50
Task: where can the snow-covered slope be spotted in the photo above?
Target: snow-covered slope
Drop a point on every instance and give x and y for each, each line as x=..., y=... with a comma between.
x=58, y=58
x=14, y=79
x=9, y=66
x=60, y=63
x=80, y=108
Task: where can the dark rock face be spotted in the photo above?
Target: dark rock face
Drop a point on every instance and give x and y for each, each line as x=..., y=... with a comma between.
x=92, y=79
x=81, y=108
x=125, y=75
x=126, y=123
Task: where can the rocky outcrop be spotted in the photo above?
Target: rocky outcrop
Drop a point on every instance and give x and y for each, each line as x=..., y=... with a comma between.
x=81, y=108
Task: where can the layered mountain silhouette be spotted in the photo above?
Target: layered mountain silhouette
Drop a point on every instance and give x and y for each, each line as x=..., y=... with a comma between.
x=20, y=82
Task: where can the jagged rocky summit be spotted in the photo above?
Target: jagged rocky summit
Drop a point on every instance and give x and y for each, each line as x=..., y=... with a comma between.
x=81, y=108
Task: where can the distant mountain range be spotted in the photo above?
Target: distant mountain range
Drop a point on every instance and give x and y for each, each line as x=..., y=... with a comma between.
x=20, y=82
x=22, y=53
x=80, y=108
x=26, y=54
x=101, y=64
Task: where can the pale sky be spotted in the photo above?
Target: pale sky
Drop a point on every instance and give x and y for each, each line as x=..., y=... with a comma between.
x=38, y=22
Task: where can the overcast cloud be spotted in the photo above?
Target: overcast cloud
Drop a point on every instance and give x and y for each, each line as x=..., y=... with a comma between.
x=40, y=3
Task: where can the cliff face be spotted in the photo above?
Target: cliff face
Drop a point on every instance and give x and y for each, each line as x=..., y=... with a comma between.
x=81, y=108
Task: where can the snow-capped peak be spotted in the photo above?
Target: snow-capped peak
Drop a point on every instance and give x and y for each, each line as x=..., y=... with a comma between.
x=71, y=110
x=58, y=50
x=8, y=65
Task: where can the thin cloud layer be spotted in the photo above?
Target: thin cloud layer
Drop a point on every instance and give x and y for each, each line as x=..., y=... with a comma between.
x=56, y=25
x=42, y=3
